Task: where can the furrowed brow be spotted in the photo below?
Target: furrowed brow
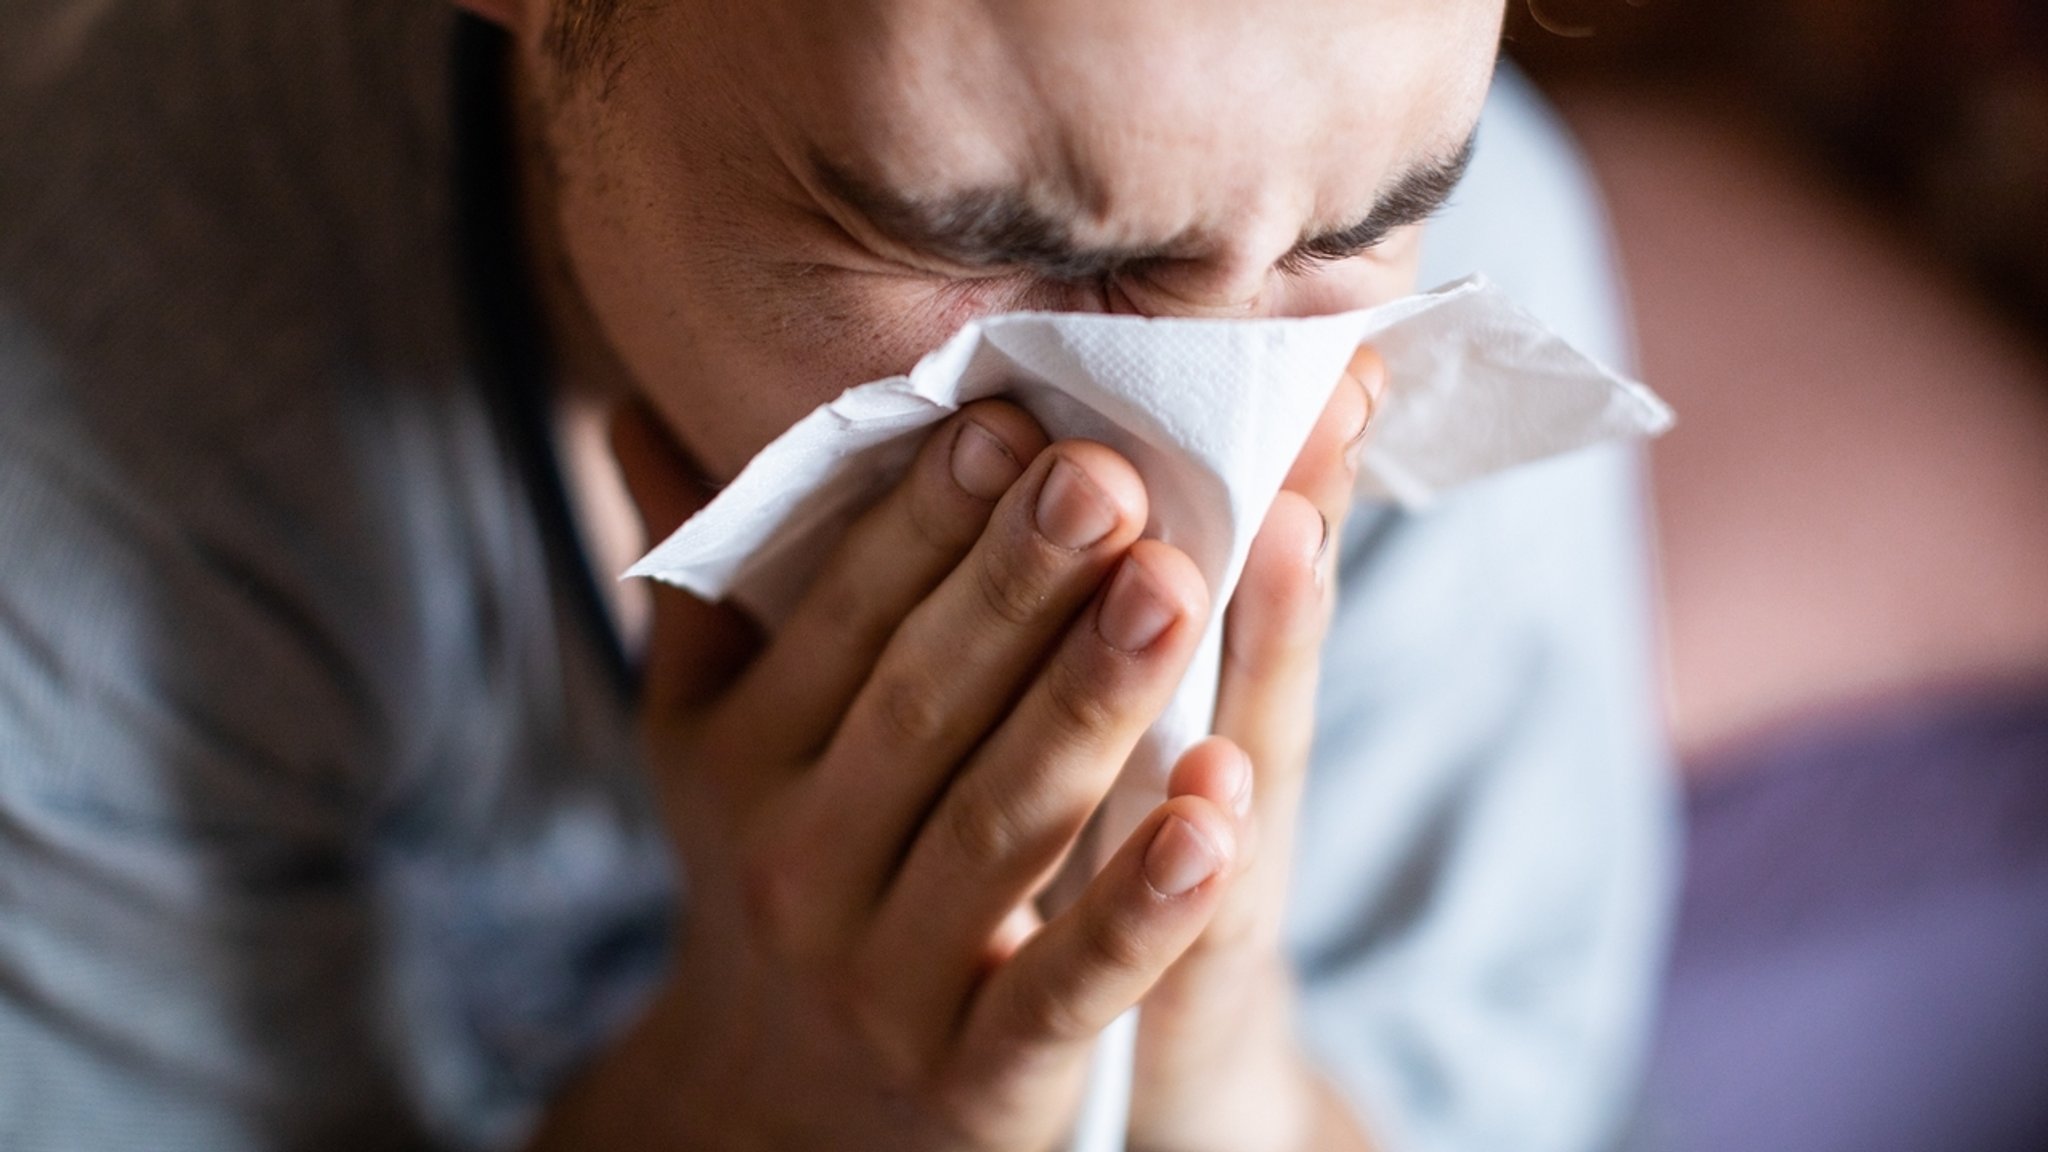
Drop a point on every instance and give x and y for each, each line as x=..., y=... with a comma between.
x=990, y=228
x=1420, y=193
x=999, y=228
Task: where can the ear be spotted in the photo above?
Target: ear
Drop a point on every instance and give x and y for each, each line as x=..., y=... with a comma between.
x=507, y=14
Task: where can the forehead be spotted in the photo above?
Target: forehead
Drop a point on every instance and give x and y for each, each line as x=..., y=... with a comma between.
x=1130, y=114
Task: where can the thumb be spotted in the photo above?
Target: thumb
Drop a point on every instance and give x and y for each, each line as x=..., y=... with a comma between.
x=694, y=649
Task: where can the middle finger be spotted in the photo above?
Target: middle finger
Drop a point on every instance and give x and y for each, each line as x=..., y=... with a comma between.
x=948, y=674
x=1002, y=828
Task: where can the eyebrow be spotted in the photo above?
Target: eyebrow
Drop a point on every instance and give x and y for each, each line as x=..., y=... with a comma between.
x=1001, y=228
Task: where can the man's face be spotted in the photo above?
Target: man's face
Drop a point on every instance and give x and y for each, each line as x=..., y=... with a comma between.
x=764, y=202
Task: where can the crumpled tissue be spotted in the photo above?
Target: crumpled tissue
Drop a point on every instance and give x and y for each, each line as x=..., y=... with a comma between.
x=1212, y=413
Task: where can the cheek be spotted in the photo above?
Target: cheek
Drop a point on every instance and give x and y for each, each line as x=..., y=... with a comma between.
x=857, y=325
x=734, y=337
x=757, y=347
x=733, y=312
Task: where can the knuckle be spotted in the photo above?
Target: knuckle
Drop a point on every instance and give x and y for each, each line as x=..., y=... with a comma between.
x=843, y=605
x=910, y=707
x=1082, y=704
x=1112, y=943
x=1014, y=587
x=984, y=836
x=1037, y=1010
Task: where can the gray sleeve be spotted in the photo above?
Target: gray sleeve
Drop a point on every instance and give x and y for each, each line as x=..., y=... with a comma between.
x=320, y=820
x=188, y=944
x=1486, y=853
x=320, y=823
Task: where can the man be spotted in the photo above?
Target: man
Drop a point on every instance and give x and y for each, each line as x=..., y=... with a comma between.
x=325, y=778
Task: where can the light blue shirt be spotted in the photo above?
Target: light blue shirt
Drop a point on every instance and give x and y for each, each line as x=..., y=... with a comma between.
x=320, y=824
x=1487, y=851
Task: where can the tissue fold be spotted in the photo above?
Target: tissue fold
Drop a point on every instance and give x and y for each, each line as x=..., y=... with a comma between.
x=1211, y=413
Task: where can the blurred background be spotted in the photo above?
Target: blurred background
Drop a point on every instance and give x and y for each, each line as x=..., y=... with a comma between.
x=1833, y=218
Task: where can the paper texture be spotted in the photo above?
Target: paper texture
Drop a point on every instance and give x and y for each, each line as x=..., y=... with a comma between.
x=1212, y=414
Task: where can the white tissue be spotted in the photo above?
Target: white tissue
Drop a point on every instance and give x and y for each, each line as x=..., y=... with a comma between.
x=1212, y=413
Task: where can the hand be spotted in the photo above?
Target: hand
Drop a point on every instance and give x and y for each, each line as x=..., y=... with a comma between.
x=1218, y=1063
x=867, y=804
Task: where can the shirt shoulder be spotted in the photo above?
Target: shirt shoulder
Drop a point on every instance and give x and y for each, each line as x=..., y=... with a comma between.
x=324, y=806
x=230, y=329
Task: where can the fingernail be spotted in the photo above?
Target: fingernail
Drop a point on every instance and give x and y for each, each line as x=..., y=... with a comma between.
x=1072, y=512
x=1180, y=859
x=1134, y=615
x=982, y=465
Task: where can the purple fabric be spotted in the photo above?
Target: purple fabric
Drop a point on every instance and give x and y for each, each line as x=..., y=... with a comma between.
x=1861, y=961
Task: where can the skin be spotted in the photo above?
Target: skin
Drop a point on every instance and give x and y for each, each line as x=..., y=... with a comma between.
x=865, y=963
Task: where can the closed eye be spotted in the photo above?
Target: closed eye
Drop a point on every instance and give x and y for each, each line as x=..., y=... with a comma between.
x=1306, y=259
x=1419, y=195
